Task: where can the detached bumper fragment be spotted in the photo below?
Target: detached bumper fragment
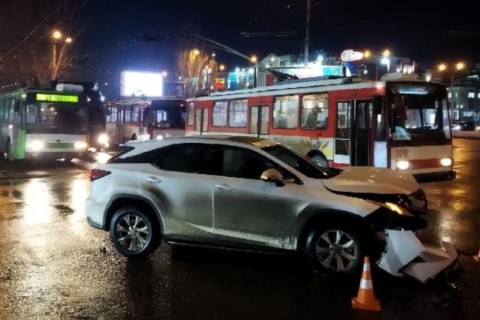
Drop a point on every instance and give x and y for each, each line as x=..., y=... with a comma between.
x=406, y=255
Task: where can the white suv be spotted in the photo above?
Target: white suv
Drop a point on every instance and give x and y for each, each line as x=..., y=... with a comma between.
x=249, y=193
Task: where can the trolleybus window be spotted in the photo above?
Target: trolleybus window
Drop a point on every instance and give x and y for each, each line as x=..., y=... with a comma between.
x=314, y=111
x=237, y=116
x=219, y=114
x=285, y=112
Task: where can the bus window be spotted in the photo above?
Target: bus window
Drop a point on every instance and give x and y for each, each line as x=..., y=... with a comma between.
x=31, y=113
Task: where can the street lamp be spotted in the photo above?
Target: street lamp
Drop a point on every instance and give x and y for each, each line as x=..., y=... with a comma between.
x=458, y=66
x=386, y=59
x=57, y=57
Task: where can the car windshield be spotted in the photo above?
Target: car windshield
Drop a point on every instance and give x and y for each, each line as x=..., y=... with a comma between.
x=301, y=163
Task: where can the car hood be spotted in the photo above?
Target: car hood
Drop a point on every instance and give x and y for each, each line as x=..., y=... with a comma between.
x=362, y=180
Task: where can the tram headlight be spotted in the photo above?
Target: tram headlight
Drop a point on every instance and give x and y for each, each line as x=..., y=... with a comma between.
x=103, y=139
x=35, y=145
x=446, y=162
x=403, y=165
x=79, y=145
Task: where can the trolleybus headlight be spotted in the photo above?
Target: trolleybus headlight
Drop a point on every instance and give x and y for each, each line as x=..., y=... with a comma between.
x=103, y=138
x=446, y=162
x=36, y=145
x=80, y=145
x=403, y=165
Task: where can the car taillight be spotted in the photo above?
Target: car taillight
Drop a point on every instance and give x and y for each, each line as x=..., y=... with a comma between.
x=96, y=174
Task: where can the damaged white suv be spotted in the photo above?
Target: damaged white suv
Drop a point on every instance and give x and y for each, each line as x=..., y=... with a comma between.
x=250, y=193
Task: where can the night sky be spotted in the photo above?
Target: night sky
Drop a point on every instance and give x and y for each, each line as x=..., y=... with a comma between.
x=428, y=31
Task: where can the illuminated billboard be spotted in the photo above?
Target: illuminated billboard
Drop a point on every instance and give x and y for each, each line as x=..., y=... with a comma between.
x=141, y=84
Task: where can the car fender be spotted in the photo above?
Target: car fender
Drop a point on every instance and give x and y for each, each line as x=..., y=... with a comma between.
x=119, y=200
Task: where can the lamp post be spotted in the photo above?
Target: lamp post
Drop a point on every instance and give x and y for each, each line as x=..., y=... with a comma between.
x=458, y=66
x=378, y=58
x=58, y=56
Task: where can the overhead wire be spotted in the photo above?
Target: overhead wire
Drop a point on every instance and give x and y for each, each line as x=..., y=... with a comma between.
x=10, y=55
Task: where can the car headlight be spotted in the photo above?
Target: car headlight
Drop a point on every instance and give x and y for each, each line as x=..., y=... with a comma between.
x=103, y=138
x=36, y=145
x=395, y=208
x=386, y=218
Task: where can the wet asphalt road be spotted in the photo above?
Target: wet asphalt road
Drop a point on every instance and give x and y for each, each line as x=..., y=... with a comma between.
x=54, y=266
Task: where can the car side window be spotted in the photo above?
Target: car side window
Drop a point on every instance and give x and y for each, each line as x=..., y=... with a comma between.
x=190, y=158
x=243, y=163
x=247, y=164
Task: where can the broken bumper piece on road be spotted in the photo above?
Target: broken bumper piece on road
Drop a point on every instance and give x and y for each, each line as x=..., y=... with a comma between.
x=405, y=254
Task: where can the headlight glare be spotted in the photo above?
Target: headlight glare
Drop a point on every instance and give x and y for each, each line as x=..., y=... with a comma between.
x=403, y=165
x=80, y=145
x=396, y=208
x=446, y=162
x=36, y=145
x=103, y=138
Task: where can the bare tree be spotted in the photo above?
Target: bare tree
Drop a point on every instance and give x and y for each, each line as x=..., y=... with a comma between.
x=198, y=69
x=35, y=55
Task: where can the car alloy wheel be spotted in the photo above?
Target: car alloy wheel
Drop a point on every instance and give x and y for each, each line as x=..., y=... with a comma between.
x=335, y=251
x=133, y=232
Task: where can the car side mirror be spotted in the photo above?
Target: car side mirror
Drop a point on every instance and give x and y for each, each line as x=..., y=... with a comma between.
x=273, y=175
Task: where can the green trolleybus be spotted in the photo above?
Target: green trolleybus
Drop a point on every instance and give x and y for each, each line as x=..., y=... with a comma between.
x=50, y=124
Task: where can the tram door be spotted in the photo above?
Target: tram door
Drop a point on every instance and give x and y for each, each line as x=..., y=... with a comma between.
x=353, y=133
x=201, y=120
x=259, y=120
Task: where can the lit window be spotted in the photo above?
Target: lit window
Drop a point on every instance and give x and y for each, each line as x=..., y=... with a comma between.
x=471, y=95
x=219, y=113
x=237, y=117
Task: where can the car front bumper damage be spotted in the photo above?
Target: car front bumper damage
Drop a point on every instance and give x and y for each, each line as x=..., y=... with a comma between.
x=406, y=255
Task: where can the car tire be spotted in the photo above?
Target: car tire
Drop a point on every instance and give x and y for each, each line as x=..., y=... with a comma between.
x=335, y=250
x=134, y=233
x=318, y=157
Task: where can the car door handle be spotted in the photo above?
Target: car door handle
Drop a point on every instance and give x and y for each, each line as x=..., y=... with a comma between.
x=224, y=187
x=153, y=180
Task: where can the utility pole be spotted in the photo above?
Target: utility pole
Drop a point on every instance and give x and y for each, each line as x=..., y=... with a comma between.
x=307, y=31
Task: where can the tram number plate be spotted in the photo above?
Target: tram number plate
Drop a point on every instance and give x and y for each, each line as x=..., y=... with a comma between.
x=401, y=153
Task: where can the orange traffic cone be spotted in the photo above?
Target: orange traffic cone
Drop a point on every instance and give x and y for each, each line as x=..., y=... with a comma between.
x=477, y=257
x=366, y=298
